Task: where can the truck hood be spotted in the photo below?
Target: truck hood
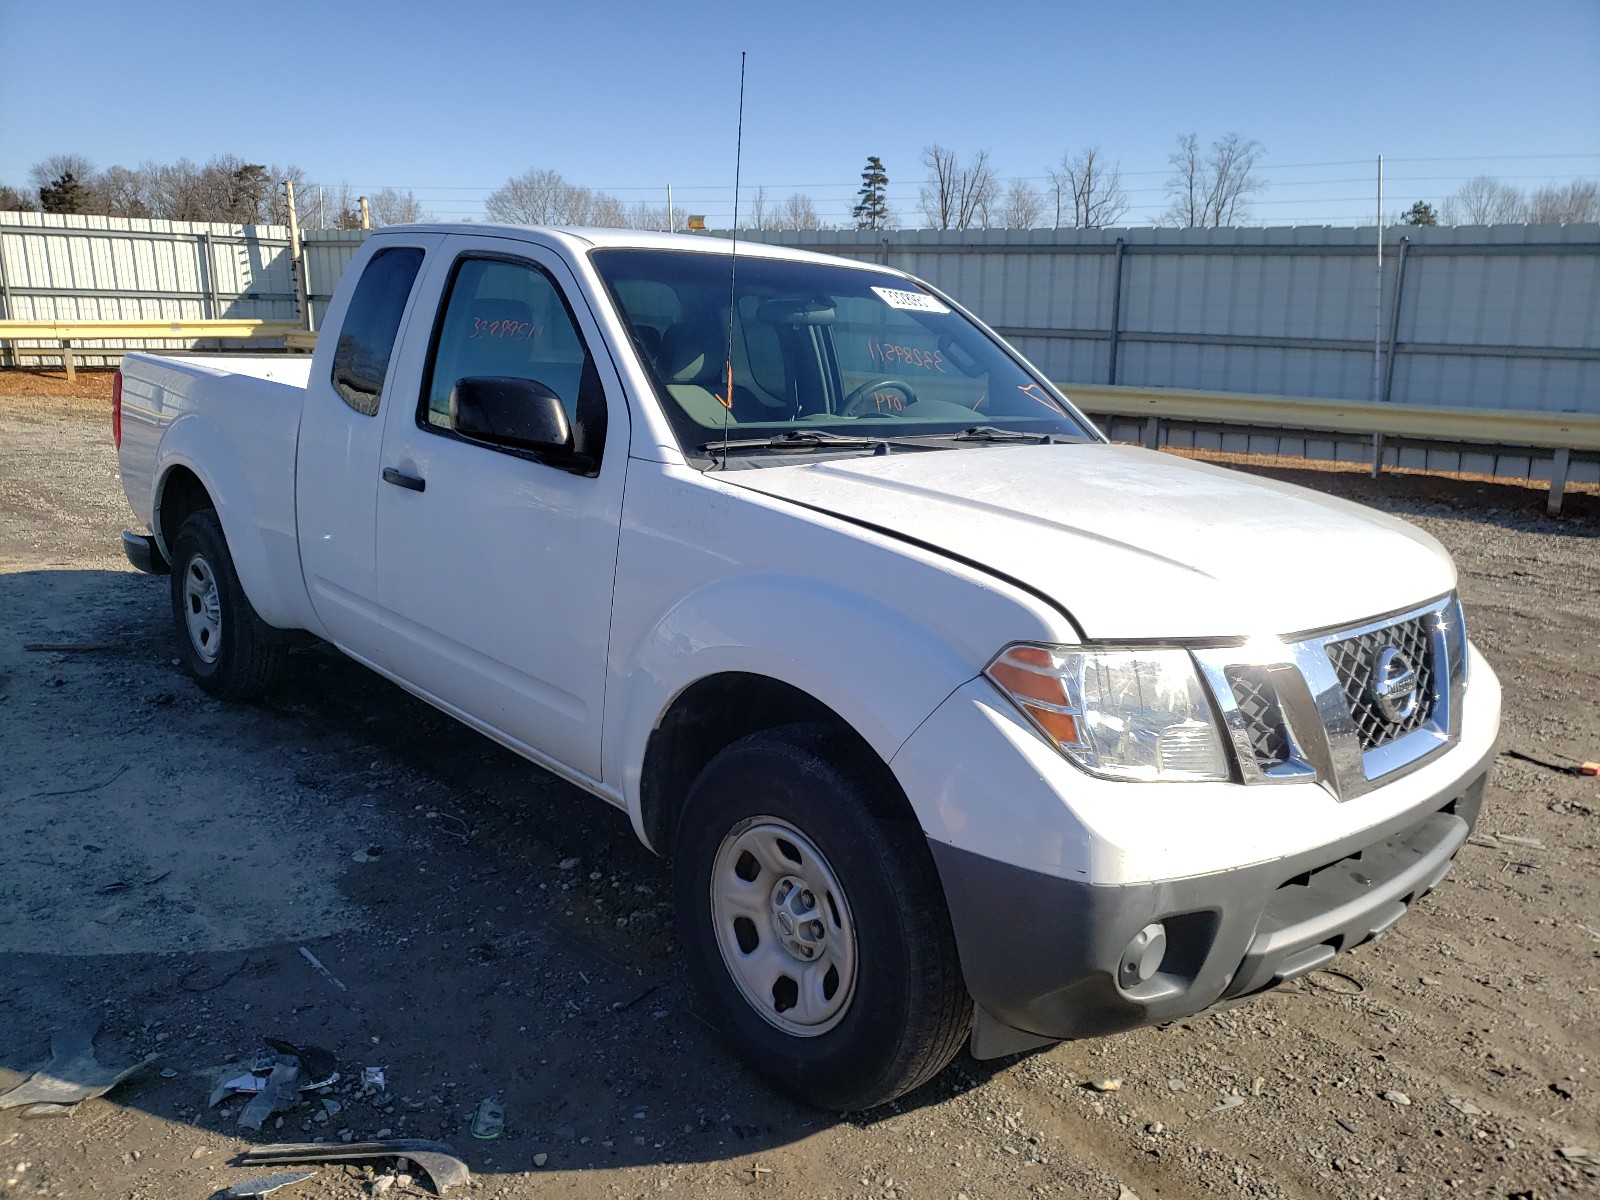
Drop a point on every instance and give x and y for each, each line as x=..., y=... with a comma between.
x=1135, y=543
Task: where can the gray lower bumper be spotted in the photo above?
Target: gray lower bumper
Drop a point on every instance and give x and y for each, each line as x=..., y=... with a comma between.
x=143, y=553
x=1047, y=958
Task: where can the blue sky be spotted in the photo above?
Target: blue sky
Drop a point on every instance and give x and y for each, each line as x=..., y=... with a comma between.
x=450, y=100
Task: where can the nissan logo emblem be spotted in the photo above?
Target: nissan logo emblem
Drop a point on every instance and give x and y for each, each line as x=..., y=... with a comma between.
x=1394, y=686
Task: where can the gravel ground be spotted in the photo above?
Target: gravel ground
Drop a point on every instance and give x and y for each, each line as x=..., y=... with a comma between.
x=496, y=933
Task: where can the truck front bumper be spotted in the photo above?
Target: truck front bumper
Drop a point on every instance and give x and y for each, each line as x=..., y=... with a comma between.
x=1048, y=958
x=1082, y=907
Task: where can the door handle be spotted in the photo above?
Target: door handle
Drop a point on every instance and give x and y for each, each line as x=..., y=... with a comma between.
x=401, y=479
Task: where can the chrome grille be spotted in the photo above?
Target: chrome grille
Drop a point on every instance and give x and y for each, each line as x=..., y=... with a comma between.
x=1263, y=719
x=1354, y=660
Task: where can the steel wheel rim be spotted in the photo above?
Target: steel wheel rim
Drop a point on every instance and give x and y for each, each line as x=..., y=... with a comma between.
x=783, y=927
x=202, y=609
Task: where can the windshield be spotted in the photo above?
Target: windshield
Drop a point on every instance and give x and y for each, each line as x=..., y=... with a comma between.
x=817, y=349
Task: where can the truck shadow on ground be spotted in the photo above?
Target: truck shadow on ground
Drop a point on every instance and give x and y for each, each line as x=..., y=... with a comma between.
x=483, y=928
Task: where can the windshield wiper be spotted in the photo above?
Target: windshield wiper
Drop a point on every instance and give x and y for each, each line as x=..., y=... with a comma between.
x=797, y=439
x=989, y=433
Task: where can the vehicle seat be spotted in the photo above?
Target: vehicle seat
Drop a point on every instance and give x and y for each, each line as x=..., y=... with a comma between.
x=689, y=363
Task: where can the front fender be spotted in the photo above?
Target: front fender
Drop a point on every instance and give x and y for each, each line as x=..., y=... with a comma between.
x=254, y=500
x=876, y=666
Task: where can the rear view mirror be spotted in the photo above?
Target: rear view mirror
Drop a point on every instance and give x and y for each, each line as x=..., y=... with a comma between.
x=522, y=414
x=795, y=311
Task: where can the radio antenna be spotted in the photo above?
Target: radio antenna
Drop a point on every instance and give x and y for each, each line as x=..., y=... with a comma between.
x=733, y=266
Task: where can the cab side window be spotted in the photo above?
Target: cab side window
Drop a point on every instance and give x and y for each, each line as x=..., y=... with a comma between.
x=504, y=318
x=371, y=323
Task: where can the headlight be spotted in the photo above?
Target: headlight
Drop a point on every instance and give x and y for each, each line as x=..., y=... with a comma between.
x=1121, y=714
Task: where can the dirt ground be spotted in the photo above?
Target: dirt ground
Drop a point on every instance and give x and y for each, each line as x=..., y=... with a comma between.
x=495, y=933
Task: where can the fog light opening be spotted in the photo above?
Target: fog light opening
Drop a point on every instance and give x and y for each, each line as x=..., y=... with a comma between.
x=1142, y=959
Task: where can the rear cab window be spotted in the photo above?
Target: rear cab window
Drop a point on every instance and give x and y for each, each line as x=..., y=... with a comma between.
x=371, y=324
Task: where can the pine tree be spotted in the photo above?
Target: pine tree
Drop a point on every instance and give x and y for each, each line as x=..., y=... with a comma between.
x=873, y=211
x=1420, y=213
x=64, y=194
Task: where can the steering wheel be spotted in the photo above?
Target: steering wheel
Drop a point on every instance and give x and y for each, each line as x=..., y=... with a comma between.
x=856, y=403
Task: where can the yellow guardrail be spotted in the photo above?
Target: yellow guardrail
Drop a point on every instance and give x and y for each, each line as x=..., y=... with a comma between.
x=70, y=332
x=1563, y=433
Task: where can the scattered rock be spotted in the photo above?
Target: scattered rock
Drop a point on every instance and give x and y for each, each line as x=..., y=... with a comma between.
x=1464, y=1106
x=540, y=1159
x=1105, y=1085
x=1226, y=1103
x=1400, y=1098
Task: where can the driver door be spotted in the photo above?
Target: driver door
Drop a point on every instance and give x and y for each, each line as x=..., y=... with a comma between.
x=498, y=568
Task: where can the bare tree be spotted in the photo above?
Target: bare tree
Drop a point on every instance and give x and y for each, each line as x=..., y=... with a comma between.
x=47, y=170
x=392, y=207
x=123, y=192
x=1212, y=190
x=956, y=196
x=1088, y=193
x=1022, y=207
x=800, y=213
x=757, y=217
x=543, y=197
x=608, y=212
x=644, y=215
x=1484, y=200
x=1565, y=204
x=13, y=200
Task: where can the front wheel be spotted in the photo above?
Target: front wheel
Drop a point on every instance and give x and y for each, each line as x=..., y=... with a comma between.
x=231, y=652
x=814, y=922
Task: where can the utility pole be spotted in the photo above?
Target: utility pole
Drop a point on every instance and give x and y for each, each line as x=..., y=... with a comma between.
x=297, y=260
x=1377, y=330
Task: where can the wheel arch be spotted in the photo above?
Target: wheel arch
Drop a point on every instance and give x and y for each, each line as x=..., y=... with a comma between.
x=197, y=469
x=714, y=712
x=180, y=494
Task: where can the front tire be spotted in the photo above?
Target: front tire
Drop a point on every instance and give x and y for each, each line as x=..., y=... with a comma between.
x=814, y=922
x=228, y=649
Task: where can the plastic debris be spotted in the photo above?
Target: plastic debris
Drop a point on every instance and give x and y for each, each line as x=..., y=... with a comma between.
x=279, y=1093
x=438, y=1159
x=313, y=1066
x=372, y=1077
x=72, y=1075
x=316, y=965
x=490, y=1120
x=266, y=1184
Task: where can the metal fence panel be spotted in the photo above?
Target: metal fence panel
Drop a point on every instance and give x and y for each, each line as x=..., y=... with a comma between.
x=120, y=269
x=1488, y=317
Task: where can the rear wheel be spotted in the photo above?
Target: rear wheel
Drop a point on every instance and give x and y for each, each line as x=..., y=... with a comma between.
x=814, y=921
x=231, y=652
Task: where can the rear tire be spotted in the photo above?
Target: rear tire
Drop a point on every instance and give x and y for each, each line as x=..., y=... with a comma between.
x=814, y=922
x=231, y=652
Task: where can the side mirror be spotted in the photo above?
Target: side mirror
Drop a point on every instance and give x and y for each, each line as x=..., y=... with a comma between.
x=522, y=414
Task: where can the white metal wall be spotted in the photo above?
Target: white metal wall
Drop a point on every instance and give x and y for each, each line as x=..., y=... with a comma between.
x=123, y=269
x=1488, y=317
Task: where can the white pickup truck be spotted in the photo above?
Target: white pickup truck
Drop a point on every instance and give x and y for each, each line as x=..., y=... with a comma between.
x=958, y=722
